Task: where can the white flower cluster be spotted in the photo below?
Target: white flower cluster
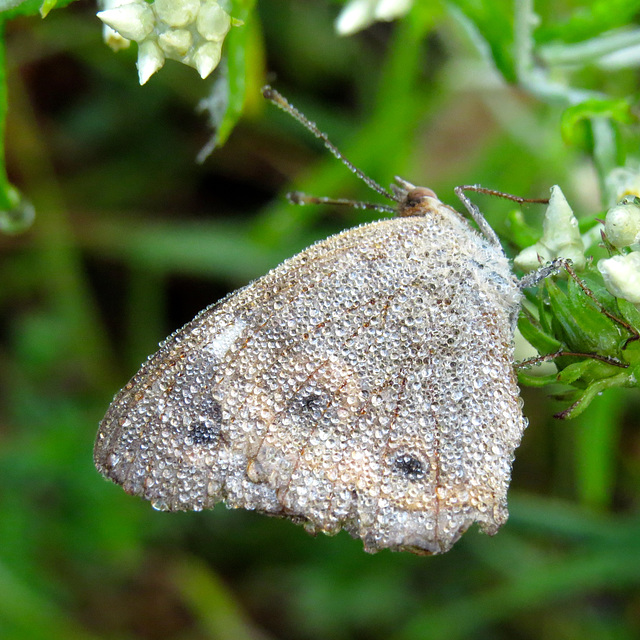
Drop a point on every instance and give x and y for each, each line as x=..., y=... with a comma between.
x=561, y=239
x=189, y=31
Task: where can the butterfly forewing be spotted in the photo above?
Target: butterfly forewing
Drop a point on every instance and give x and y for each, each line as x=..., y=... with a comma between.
x=347, y=389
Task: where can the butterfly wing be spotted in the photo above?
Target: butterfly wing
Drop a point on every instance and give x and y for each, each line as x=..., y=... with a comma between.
x=364, y=384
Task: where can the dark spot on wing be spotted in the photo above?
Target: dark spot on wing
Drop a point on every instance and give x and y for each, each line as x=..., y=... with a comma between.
x=313, y=403
x=205, y=429
x=409, y=466
x=309, y=407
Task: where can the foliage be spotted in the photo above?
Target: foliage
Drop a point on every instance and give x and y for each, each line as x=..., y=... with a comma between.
x=132, y=237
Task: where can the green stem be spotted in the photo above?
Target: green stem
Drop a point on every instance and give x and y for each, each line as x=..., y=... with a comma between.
x=597, y=439
x=6, y=190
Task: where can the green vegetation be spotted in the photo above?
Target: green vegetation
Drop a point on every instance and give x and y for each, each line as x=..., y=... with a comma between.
x=132, y=237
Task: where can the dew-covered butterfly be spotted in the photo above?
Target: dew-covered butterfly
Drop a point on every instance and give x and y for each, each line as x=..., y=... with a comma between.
x=365, y=384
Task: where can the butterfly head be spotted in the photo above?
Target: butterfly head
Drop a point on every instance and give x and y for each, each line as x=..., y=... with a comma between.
x=412, y=200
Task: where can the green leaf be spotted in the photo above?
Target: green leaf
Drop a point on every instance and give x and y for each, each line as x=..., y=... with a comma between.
x=5, y=5
x=532, y=380
x=575, y=371
x=597, y=440
x=574, y=118
x=629, y=312
x=47, y=5
x=493, y=23
x=536, y=336
x=238, y=42
x=570, y=320
x=13, y=8
x=16, y=212
x=520, y=233
x=593, y=390
x=588, y=20
x=583, y=328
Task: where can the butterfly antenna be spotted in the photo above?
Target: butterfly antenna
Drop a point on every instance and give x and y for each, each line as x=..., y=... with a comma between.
x=297, y=197
x=280, y=101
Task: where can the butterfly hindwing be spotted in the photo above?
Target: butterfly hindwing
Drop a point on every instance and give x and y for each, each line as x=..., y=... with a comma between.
x=340, y=390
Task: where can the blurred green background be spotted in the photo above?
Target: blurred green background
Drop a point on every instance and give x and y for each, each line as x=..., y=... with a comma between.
x=133, y=237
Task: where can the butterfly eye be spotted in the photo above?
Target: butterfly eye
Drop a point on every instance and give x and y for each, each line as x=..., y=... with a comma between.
x=418, y=195
x=205, y=430
x=409, y=466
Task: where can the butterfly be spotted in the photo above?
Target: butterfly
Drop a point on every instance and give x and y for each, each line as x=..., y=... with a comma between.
x=365, y=384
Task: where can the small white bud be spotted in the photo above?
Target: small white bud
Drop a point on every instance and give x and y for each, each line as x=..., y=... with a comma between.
x=391, y=9
x=560, y=229
x=175, y=43
x=150, y=60
x=622, y=224
x=622, y=276
x=560, y=236
x=134, y=21
x=207, y=57
x=533, y=257
x=355, y=16
x=176, y=13
x=113, y=39
x=359, y=14
x=213, y=21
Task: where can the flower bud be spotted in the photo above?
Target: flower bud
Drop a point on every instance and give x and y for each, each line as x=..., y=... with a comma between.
x=622, y=276
x=622, y=224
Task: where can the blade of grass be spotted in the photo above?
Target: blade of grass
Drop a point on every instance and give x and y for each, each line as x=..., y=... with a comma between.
x=217, y=248
x=597, y=437
x=550, y=582
x=25, y=614
x=67, y=292
x=212, y=604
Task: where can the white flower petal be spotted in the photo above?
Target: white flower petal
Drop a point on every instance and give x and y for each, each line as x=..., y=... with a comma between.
x=134, y=21
x=113, y=39
x=355, y=16
x=560, y=227
x=176, y=13
x=207, y=57
x=150, y=60
x=622, y=276
x=532, y=258
x=391, y=9
x=213, y=21
x=175, y=43
x=560, y=236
